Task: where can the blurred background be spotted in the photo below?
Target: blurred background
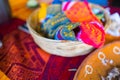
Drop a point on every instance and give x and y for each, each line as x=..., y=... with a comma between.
x=12, y=8
x=5, y=12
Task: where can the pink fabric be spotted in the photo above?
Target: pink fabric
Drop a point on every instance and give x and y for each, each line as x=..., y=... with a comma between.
x=65, y=6
x=92, y=33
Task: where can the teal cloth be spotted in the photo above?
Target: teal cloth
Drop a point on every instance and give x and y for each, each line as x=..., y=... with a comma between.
x=67, y=32
x=52, y=25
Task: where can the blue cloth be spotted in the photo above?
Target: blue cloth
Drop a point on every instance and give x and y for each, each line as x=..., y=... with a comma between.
x=51, y=25
x=57, y=2
x=100, y=2
x=66, y=32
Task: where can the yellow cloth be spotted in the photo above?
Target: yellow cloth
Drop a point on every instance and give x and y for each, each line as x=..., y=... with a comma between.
x=43, y=11
x=3, y=76
x=19, y=9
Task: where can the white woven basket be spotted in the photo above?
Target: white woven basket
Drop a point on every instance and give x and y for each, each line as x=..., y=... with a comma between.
x=60, y=47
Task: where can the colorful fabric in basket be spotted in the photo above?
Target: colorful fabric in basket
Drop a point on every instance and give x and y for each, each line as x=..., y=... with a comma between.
x=91, y=28
x=42, y=11
x=99, y=14
x=66, y=32
x=52, y=25
x=61, y=25
x=92, y=33
x=52, y=10
x=80, y=12
x=48, y=11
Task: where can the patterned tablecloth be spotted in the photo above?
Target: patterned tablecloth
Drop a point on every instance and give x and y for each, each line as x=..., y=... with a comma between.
x=22, y=59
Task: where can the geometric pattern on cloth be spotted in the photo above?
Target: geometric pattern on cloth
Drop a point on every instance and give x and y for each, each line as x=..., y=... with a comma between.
x=22, y=59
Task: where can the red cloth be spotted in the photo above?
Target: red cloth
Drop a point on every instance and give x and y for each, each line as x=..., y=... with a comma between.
x=10, y=25
x=114, y=9
x=22, y=59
